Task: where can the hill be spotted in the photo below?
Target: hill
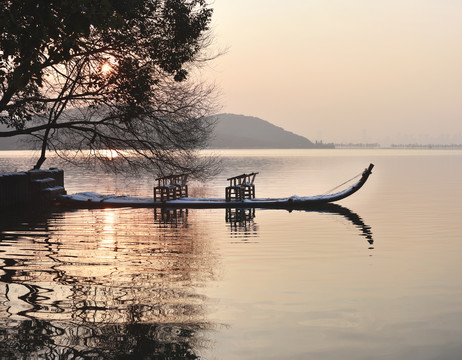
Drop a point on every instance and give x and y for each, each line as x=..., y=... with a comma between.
x=232, y=132
x=247, y=132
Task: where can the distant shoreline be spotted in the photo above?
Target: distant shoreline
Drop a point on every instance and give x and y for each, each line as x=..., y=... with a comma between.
x=399, y=146
x=341, y=147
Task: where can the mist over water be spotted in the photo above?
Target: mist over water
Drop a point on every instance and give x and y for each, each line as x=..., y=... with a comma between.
x=375, y=276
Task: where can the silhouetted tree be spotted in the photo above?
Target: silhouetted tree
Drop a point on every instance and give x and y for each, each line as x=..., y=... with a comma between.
x=107, y=75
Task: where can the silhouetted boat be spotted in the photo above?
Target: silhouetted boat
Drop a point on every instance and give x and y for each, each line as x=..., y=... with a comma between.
x=94, y=200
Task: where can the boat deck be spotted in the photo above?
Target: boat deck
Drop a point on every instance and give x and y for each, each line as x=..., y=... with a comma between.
x=94, y=200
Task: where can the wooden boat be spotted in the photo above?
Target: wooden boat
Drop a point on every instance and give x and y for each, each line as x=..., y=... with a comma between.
x=94, y=200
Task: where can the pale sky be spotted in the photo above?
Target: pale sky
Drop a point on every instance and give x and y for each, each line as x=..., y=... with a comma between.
x=344, y=70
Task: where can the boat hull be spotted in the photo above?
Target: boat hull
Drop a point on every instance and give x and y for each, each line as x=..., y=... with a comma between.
x=93, y=200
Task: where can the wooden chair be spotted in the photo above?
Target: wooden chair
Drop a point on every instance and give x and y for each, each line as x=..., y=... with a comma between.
x=241, y=187
x=171, y=187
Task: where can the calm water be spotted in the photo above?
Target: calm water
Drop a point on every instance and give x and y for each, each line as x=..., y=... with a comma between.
x=377, y=277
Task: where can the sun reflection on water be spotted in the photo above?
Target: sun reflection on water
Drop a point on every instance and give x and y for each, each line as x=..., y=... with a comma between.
x=108, y=238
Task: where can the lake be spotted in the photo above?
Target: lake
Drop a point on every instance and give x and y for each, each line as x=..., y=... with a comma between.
x=376, y=277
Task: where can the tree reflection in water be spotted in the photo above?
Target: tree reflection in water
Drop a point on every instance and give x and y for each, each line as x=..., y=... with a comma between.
x=68, y=340
x=104, y=284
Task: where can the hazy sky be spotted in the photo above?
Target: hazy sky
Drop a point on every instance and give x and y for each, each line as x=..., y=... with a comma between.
x=344, y=70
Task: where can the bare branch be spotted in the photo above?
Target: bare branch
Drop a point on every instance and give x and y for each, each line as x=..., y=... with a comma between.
x=145, y=108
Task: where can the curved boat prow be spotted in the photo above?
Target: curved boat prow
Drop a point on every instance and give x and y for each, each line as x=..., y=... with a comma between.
x=351, y=190
x=369, y=169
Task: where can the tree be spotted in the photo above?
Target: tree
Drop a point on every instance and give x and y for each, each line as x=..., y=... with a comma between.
x=114, y=75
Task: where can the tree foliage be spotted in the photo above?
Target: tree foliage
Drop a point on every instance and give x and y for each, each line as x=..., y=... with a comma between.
x=113, y=74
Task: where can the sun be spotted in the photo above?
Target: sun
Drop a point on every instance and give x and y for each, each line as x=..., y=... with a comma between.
x=106, y=68
x=109, y=154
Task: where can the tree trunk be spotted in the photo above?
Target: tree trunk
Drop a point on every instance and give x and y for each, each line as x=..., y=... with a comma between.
x=42, y=158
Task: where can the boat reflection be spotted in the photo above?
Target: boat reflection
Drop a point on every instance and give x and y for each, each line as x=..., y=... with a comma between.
x=172, y=217
x=354, y=218
x=241, y=220
x=238, y=217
